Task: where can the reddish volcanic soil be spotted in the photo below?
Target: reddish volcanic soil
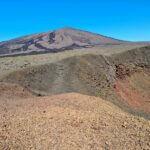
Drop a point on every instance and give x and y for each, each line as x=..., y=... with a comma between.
x=132, y=96
x=130, y=88
x=13, y=91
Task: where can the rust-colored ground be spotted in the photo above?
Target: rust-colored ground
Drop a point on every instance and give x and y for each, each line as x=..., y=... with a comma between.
x=13, y=91
x=135, y=90
x=133, y=97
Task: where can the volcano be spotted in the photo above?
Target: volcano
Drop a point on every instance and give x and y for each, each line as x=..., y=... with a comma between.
x=55, y=41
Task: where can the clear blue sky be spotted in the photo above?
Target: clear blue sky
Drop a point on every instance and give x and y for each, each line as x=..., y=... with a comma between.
x=122, y=19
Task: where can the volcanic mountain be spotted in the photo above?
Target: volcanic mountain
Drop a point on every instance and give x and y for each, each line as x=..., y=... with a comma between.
x=95, y=94
x=55, y=41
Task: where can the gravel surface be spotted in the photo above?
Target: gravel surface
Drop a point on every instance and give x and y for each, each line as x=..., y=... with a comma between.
x=69, y=121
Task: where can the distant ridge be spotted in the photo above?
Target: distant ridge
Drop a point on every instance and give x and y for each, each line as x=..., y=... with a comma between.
x=55, y=41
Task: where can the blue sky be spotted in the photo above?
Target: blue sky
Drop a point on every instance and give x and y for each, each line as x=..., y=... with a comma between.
x=122, y=19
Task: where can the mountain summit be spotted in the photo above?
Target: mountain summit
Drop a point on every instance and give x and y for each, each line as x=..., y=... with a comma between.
x=55, y=41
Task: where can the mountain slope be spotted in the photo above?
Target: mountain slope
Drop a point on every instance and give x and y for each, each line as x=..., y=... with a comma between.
x=55, y=41
x=91, y=74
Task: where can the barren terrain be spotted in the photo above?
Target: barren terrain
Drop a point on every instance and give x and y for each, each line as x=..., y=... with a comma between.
x=69, y=121
x=92, y=73
x=95, y=97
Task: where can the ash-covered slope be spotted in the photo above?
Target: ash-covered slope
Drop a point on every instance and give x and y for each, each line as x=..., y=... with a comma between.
x=55, y=41
x=123, y=78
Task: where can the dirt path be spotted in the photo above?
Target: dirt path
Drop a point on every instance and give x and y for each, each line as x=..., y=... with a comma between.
x=58, y=83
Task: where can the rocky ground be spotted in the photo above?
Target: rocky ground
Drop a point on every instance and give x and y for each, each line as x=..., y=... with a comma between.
x=67, y=121
x=40, y=107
